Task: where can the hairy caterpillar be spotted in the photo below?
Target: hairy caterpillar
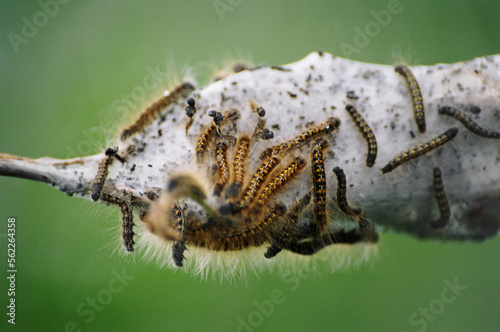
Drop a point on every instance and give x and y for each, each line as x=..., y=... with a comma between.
x=319, y=181
x=420, y=149
x=367, y=134
x=442, y=201
x=468, y=123
x=415, y=94
x=180, y=166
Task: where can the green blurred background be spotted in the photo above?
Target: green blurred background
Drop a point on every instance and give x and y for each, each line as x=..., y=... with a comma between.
x=61, y=83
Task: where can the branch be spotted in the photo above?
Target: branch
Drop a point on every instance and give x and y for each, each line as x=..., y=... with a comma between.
x=71, y=176
x=306, y=93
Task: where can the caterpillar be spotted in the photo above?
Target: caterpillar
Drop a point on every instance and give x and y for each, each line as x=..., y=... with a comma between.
x=303, y=138
x=441, y=199
x=256, y=182
x=420, y=150
x=102, y=171
x=220, y=153
x=127, y=219
x=240, y=159
x=319, y=183
x=280, y=180
x=367, y=134
x=212, y=130
x=154, y=110
x=341, y=193
x=416, y=96
x=468, y=123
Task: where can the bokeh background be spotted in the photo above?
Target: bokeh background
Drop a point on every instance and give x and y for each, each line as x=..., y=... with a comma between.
x=60, y=85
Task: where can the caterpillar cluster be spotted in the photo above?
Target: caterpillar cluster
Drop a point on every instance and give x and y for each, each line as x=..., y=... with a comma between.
x=247, y=179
